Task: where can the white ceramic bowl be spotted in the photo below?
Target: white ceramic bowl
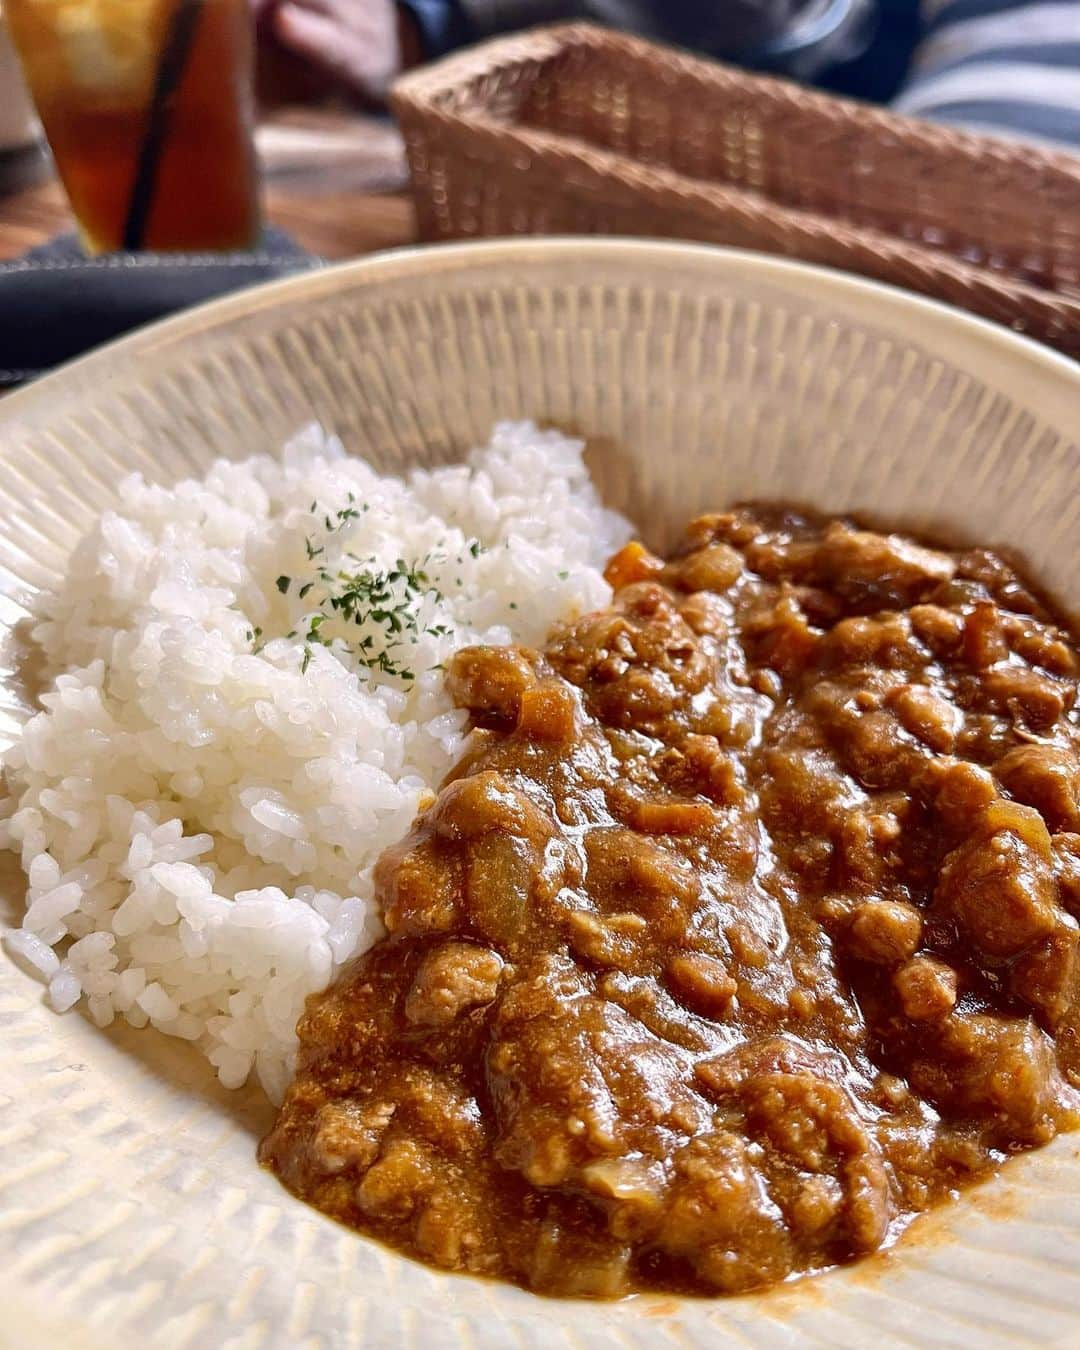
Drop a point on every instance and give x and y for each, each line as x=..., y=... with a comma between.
x=132, y=1212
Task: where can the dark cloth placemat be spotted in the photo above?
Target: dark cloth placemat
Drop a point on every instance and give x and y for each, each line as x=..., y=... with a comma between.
x=56, y=304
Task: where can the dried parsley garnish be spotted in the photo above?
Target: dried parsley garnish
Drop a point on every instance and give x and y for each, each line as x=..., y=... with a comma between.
x=379, y=607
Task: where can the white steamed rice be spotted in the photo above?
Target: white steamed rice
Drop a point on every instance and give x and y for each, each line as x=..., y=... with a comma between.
x=197, y=815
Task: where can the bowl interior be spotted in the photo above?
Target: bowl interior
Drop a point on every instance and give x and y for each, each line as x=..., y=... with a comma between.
x=699, y=377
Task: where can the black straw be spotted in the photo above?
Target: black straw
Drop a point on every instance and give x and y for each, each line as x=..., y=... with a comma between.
x=169, y=73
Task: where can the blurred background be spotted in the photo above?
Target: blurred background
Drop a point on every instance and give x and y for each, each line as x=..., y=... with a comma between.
x=261, y=129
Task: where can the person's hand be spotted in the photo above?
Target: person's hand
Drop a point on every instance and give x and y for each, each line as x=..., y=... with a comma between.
x=362, y=44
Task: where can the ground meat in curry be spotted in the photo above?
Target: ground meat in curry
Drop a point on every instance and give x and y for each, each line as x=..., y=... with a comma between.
x=745, y=930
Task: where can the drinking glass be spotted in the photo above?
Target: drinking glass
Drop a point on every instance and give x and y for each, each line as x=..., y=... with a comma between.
x=148, y=108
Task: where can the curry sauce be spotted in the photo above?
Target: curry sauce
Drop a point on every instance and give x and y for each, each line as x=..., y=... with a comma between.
x=745, y=930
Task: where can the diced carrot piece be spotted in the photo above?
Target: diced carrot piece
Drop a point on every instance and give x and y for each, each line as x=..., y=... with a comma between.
x=673, y=817
x=633, y=562
x=548, y=712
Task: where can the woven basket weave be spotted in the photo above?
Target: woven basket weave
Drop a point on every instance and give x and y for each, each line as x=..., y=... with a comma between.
x=575, y=129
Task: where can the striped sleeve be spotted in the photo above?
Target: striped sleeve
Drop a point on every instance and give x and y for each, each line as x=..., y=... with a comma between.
x=1001, y=67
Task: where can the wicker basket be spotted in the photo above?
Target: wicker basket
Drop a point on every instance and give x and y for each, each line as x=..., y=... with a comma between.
x=576, y=129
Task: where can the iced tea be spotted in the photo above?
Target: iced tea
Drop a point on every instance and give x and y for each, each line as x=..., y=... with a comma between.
x=154, y=152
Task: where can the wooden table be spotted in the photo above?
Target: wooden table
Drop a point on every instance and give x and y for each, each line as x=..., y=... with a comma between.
x=334, y=181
